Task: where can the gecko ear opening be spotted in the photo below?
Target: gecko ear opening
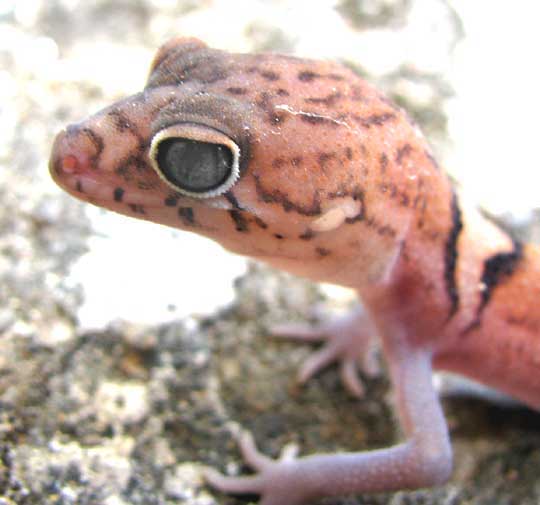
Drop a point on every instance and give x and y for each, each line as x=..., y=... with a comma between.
x=195, y=160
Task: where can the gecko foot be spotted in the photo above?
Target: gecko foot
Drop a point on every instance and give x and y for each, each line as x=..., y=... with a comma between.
x=275, y=481
x=422, y=459
x=349, y=341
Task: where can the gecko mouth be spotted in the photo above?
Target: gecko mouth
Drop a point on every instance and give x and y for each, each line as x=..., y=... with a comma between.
x=101, y=192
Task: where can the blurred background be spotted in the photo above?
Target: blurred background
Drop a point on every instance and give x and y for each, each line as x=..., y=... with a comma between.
x=71, y=275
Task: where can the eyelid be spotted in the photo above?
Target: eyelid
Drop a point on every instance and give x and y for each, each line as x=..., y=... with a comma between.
x=200, y=133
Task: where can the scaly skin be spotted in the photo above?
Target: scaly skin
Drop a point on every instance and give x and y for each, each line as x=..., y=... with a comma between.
x=336, y=184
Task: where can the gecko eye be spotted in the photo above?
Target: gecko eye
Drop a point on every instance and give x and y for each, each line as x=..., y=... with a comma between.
x=196, y=161
x=194, y=167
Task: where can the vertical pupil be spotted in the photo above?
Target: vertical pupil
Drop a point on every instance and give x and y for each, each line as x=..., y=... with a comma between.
x=192, y=165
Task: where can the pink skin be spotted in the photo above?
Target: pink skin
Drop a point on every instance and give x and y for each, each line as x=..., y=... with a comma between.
x=336, y=184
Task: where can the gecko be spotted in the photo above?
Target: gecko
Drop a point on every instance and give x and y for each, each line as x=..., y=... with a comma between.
x=304, y=165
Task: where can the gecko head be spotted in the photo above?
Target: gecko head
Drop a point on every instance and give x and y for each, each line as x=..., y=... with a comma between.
x=258, y=152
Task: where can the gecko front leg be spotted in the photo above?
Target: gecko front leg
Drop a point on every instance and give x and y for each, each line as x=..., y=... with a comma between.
x=423, y=459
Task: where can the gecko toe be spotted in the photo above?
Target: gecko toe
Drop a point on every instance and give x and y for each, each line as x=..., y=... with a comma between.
x=233, y=485
x=251, y=455
x=350, y=378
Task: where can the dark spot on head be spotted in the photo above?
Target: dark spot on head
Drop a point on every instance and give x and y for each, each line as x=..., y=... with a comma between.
x=171, y=201
x=269, y=75
x=282, y=92
x=229, y=196
x=78, y=186
x=296, y=161
x=263, y=101
x=328, y=100
x=324, y=158
x=349, y=153
x=125, y=167
x=386, y=231
x=237, y=91
x=307, y=76
x=316, y=119
x=374, y=119
x=277, y=117
x=403, y=152
x=118, y=194
x=358, y=194
x=97, y=142
x=186, y=215
x=120, y=121
x=137, y=208
x=260, y=223
x=278, y=236
x=307, y=235
x=239, y=220
x=277, y=196
x=146, y=185
x=383, y=162
x=321, y=251
x=278, y=162
x=404, y=200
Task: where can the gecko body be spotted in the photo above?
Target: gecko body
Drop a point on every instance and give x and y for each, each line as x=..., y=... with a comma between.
x=304, y=165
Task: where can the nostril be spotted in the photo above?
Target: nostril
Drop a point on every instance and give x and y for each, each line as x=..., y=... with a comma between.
x=69, y=164
x=73, y=163
x=69, y=153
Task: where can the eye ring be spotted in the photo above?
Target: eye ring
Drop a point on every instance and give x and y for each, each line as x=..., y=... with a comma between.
x=195, y=160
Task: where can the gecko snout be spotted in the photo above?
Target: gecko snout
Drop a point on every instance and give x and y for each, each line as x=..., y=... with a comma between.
x=74, y=160
x=71, y=153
